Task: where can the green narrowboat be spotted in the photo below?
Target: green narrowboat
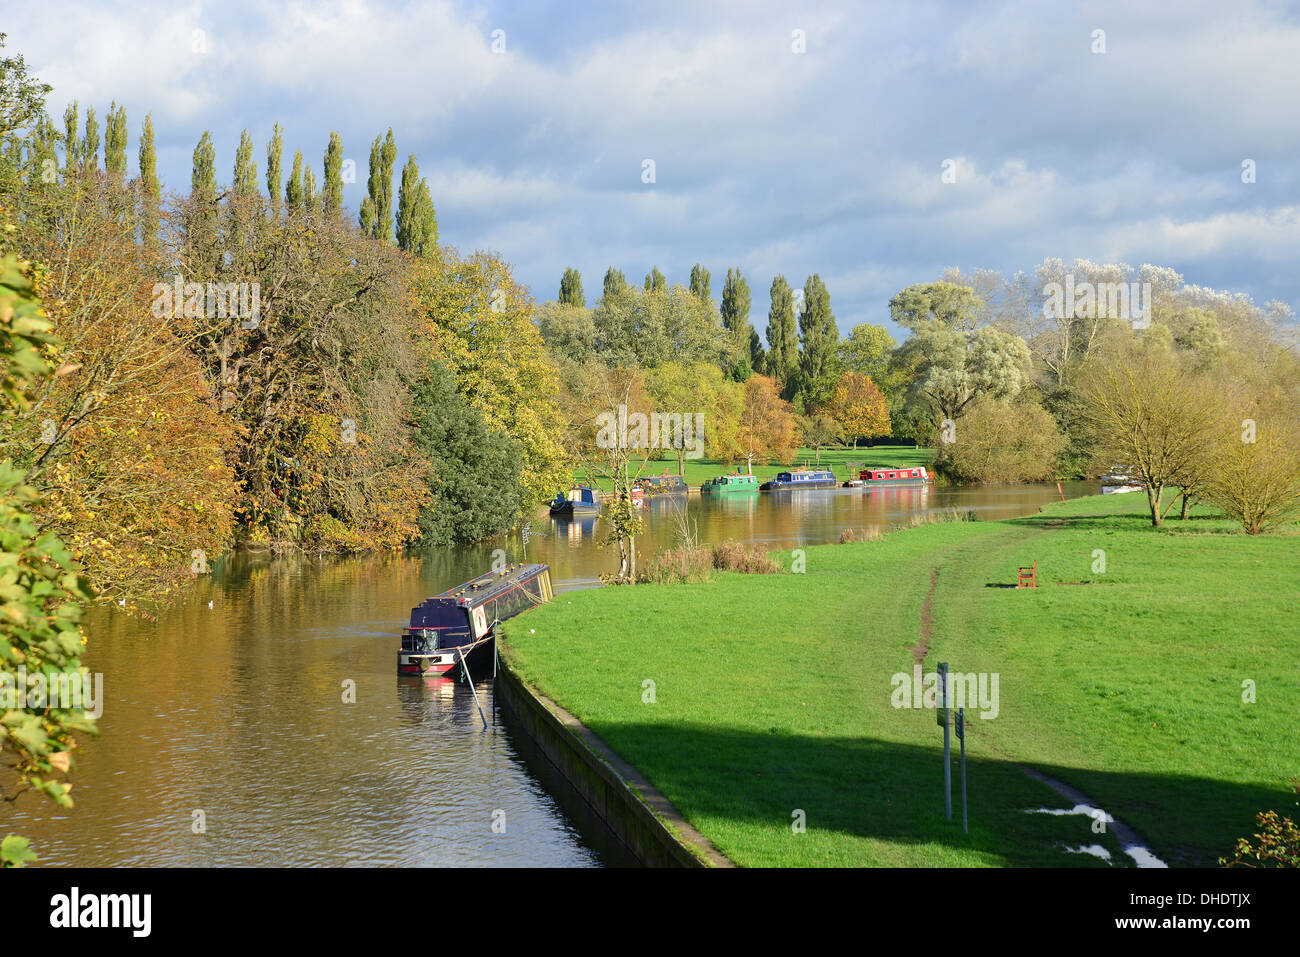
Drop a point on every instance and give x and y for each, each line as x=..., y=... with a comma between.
x=724, y=484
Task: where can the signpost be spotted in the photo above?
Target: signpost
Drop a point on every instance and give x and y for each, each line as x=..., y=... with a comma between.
x=942, y=715
x=527, y=530
x=961, y=736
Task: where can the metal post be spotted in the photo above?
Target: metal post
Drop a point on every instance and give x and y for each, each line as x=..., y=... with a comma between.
x=961, y=720
x=469, y=681
x=947, y=745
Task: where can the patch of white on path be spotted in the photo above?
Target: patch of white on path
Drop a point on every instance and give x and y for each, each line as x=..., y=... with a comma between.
x=1128, y=839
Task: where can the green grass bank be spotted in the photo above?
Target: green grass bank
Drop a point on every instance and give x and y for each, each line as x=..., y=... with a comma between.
x=771, y=698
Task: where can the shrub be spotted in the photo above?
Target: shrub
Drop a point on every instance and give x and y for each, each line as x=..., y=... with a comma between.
x=1277, y=842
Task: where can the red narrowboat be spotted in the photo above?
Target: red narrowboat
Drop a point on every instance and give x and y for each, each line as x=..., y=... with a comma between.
x=889, y=476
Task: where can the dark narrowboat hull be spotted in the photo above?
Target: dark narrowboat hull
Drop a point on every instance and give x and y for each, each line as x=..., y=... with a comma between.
x=795, y=486
x=460, y=621
x=574, y=508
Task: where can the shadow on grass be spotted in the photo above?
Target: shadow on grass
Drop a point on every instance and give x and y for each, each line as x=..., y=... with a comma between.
x=728, y=778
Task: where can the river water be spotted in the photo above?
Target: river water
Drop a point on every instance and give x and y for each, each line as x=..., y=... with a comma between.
x=260, y=721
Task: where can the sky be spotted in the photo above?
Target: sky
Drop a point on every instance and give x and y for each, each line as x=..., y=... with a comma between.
x=789, y=139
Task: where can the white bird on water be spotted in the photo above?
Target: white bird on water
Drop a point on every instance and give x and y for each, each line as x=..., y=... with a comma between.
x=209, y=603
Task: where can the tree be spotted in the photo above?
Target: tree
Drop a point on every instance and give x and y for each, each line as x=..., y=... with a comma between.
x=293, y=195
x=22, y=96
x=735, y=314
x=245, y=175
x=655, y=281
x=858, y=408
x=115, y=143
x=417, y=226
x=274, y=156
x=480, y=321
x=816, y=431
x=90, y=143
x=571, y=289
x=782, y=336
x=71, y=140
x=332, y=187
x=1253, y=471
x=40, y=630
x=698, y=389
x=766, y=423
x=150, y=189
x=615, y=283
x=866, y=349
x=820, y=339
x=202, y=214
x=1149, y=412
x=473, y=473
x=597, y=399
x=568, y=331
x=377, y=207
x=955, y=307
x=951, y=367
x=700, y=282
x=1002, y=441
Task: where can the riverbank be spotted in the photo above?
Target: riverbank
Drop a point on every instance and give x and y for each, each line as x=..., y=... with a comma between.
x=755, y=702
x=699, y=471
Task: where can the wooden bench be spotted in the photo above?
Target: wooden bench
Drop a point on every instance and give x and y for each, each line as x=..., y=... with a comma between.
x=1027, y=577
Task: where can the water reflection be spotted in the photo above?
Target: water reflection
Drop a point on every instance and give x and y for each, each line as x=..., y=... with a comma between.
x=240, y=710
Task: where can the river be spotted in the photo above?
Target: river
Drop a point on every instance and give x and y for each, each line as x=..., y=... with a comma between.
x=260, y=720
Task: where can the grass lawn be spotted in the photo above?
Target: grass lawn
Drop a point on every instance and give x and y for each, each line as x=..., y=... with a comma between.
x=699, y=471
x=772, y=693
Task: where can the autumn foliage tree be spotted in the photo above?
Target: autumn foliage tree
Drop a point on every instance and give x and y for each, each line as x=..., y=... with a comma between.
x=767, y=424
x=858, y=408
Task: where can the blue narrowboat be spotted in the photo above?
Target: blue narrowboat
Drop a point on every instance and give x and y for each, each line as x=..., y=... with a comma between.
x=801, y=478
x=458, y=622
x=581, y=500
x=661, y=484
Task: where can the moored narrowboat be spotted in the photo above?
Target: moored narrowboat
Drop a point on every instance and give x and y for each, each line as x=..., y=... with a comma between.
x=801, y=478
x=581, y=500
x=889, y=476
x=459, y=622
x=661, y=484
x=729, y=484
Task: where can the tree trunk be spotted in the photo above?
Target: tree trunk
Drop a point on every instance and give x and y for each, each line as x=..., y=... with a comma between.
x=1187, y=506
x=1154, y=494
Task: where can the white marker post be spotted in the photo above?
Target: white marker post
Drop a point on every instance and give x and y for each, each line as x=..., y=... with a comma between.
x=947, y=746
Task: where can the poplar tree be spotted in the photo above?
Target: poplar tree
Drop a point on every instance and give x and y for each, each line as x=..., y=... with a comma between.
x=309, y=198
x=820, y=338
x=332, y=190
x=90, y=144
x=655, y=281
x=274, y=155
x=245, y=181
x=201, y=219
x=782, y=339
x=571, y=289
x=615, y=282
x=380, y=187
x=735, y=320
x=293, y=187
x=700, y=282
x=150, y=216
x=735, y=306
x=71, y=140
x=417, y=226
x=243, y=185
x=115, y=138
